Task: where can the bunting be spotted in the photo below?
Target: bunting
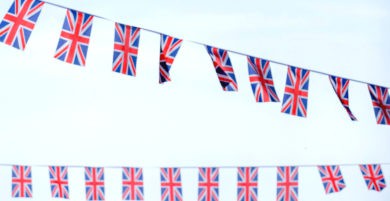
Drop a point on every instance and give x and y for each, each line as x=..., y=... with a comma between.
x=208, y=184
x=21, y=182
x=59, y=182
x=247, y=183
x=168, y=50
x=373, y=177
x=287, y=183
x=133, y=184
x=171, y=184
x=340, y=87
x=94, y=183
x=332, y=178
x=381, y=103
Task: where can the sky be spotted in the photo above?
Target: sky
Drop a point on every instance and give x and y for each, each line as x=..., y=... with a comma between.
x=54, y=113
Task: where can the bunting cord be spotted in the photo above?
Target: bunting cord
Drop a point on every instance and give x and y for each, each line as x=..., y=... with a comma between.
x=232, y=51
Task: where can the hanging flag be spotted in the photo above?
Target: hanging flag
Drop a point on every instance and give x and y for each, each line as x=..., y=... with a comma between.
x=223, y=67
x=94, y=183
x=21, y=182
x=73, y=44
x=332, y=178
x=381, y=102
x=59, y=182
x=287, y=184
x=340, y=86
x=260, y=77
x=169, y=47
x=208, y=184
x=171, y=184
x=247, y=184
x=19, y=22
x=125, y=49
x=296, y=92
x=373, y=176
x=132, y=184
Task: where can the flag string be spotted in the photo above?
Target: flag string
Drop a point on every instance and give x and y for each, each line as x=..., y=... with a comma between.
x=232, y=51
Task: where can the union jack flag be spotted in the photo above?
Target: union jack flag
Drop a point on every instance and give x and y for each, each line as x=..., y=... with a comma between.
x=94, y=183
x=19, y=22
x=340, y=86
x=332, y=178
x=373, y=176
x=223, y=68
x=260, y=77
x=287, y=184
x=296, y=92
x=125, y=49
x=208, y=184
x=247, y=184
x=132, y=181
x=21, y=181
x=168, y=50
x=381, y=102
x=73, y=44
x=171, y=184
x=59, y=182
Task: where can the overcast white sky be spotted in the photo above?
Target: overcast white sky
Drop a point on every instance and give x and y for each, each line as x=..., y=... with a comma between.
x=55, y=113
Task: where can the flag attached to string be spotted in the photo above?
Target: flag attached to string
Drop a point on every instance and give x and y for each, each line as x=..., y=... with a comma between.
x=332, y=179
x=247, y=183
x=94, y=183
x=260, y=77
x=171, y=184
x=74, y=39
x=208, y=184
x=381, y=103
x=132, y=184
x=59, y=182
x=223, y=68
x=19, y=22
x=373, y=177
x=169, y=47
x=287, y=183
x=296, y=92
x=21, y=182
x=125, y=49
x=340, y=86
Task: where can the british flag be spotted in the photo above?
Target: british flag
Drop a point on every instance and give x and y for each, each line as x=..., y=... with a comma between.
x=381, y=102
x=208, y=184
x=94, y=183
x=132, y=182
x=168, y=50
x=74, y=40
x=260, y=77
x=19, y=22
x=223, y=68
x=287, y=184
x=247, y=184
x=296, y=92
x=125, y=49
x=171, y=184
x=332, y=178
x=21, y=181
x=340, y=86
x=373, y=176
x=59, y=182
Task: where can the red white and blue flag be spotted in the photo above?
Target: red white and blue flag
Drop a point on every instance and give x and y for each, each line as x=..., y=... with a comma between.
x=247, y=184
x=19, y=22
x=208, y=184
x=381, y=102
x=169, y=47
x=59, y=182
x=260, y=77
x=171, y=184
x=125, y=49
x=223, y=68
x=332, y=178
x=94, y=183
x=296, y=92
x=373, y=176
x=287, y=183
x=74, y=40
x=340, y=86
x=132, y=184
x=21, y=181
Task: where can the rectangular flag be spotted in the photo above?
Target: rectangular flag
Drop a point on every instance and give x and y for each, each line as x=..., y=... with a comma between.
x=340, y=87
x=94, y=183
x=169, y=47
x=208, y=184
x=381, y=103
x=21, y=181
x=171, y=184
x=132, y=184
x=59, y=182
x=247, y=184
x=332, y=178
x=373, y=177
x=19, y=22
x=287, y=183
